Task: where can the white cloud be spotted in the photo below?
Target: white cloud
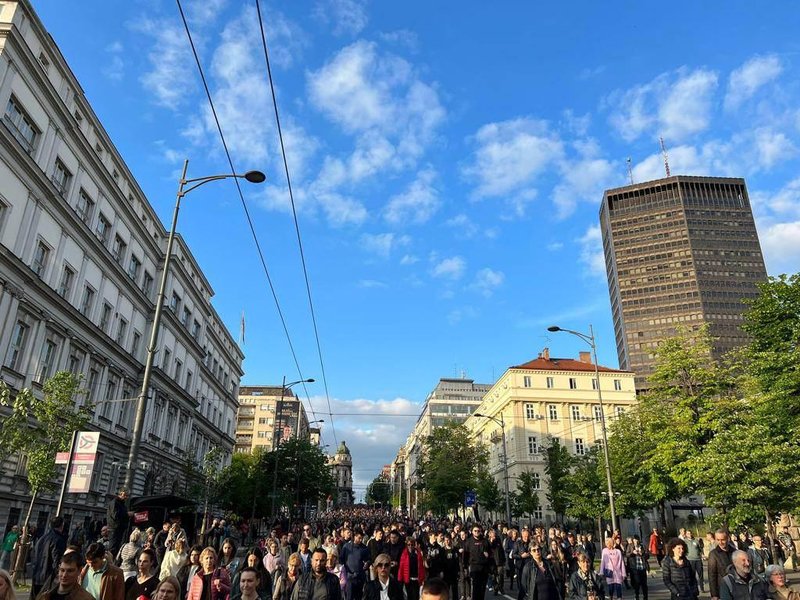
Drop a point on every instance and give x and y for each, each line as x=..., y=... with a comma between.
x=409, y=259
x=457, y=315
x=676, y=105
x=555, y=246
x=583, y=179
x=510, y=155
x=591, y=251
x=417, y=204
x=348, y=17
x=562, y=317
x=372, y=283
x=745, y=81
x=449, y=268
x=170, y=59
x=401, y=37
x=773, y=147
x=487, y=281
x=382, y=244
x=781, y=245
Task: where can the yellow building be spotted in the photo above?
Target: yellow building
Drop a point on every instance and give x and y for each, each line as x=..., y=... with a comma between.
x=256, y=422
x=542, y=399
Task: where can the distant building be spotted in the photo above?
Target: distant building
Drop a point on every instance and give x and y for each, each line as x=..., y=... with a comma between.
x=542, y=399
x=341, y=465
x=269, y=414
x=678, y=251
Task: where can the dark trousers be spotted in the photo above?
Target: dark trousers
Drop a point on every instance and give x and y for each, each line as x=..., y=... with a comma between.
x=354, y=588
x=498, y=579
x=412, y=590
x=464, y=585
x=697, y=567
x=479, y=579
x=639, y=582
x=453, y=588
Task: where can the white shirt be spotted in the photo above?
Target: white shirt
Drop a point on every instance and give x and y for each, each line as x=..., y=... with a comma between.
x=384, y=589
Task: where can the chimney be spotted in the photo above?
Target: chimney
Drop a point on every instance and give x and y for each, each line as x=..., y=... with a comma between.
x=585, y=357
x=545, y=354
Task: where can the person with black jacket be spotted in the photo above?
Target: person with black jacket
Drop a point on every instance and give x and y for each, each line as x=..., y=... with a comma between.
x=394, y=548
x=497, y=562
x=318, y=584
x=47, y=555
x=383, y=581
x=541, y=581
x=434, y=555
x=678, y=574
x=476, y=558
x=508, y=550
x=719, y=559
x=117, y=519
x=637, y=567
x=584, y=583
x=522, y=558
x=451, y=565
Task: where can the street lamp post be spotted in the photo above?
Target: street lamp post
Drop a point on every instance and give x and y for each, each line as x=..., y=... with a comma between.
x=589, y=339
x=279, y=411
x=141, y=404
x=502, y=424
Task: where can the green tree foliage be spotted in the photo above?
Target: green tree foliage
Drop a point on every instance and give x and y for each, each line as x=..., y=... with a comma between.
x=527, y=493
x=379, y=491
x=449, y=467
x=303, y=473
x=585, y=499
x=490, y=497
x=244, y=485
x=558, y=463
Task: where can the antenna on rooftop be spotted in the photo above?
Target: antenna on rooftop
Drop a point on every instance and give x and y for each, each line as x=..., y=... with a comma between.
x=630, y=170
x=666, y=158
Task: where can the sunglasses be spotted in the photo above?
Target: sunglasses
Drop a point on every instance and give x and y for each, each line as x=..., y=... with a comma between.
x=536, y=550
x=383, y=565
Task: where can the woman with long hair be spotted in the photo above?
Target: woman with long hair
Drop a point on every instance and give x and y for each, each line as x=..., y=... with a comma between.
x=678, y=574
x=273, y=559
x=169, y=589
x=174, y=559
x=285, y=583
x=254, y=559
x=6, y=587
x=211, y=582
x=559, y=565
x=145, y=582
x=227, y=557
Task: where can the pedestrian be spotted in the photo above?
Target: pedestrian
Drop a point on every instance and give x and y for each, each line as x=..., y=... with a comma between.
x=67, y=580
x=169, y=589
x=337, y=569
x=778, y=590
x=741, y=583
x=677, y=573
x=317, y=584
x=411, y=571
x=522, y=557
x=285, y=582
x=541, y=581
x=584, y=584
x=451, y=566
x=305, y=556
x=117, y=518
x=384, y=586
x=249, y=585
x=435, y=588
x=612, y=566
x=694, y=554
x=174, y=560
x=189, y=569
x=7, y=587
x=211, y=582
x=160, y=541
x=509, y=543
x=273, y=559
x=788, y=548
x=9, y=542
x=47, y=556
x=355, y=558
x=228, y=559
x=497, y=562
x=760, y=555
x=559, y=566
x=145, y=581
x=719, y=559
x=99, y=577
x=655, y=546
x=637, y=566
x=128, y=554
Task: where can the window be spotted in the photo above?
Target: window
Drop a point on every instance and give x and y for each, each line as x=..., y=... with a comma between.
x=85, y=208
x=620, y=410
x=533, y=445
x=94, y=381
x=105, y=317
x=580, y=448
x=122, y=329
x=137, y=341
x=21, y=125
x=61, y=177
x=573, y=383
x=40, y=256
x=536, y=480
x=538, y=515
x=175, y=302
x=549, y=383
x=87, y=301
x=165, y=362
x=97, y=472
x=47, y=359
x=75, y=365
x=125, y=407
x=196, y=329
x=181, y=431
x=530, y=411
x=158, y=413
x=189, y=376
x=103, y=229
x=187, y=315
x=526, y=381
x=576, y=412
x=17, y=346
x=118, y=249
x=172, y=416
x=598, y=413
x=552, y=411
x=178, y=369
x=594, y=384
x=133, y=267
x=618, y=385
x=147, y=284
x=111, y=395
x=3, y=215
x=65, y=285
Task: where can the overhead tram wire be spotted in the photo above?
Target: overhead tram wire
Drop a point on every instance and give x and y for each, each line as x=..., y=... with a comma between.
x=296, y=222
x=241, y=197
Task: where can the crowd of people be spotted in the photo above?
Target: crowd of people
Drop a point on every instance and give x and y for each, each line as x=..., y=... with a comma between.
x=364, y=554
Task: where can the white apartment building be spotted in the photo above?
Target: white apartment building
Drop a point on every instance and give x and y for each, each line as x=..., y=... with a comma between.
x=81, y=250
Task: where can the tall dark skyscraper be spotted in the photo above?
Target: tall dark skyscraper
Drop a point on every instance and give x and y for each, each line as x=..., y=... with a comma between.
x=679, y=251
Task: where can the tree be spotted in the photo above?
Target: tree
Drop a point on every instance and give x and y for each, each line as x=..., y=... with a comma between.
x=488, y=492
x=449, y=466
x=558, y=463
x=39, y=428
x=303, y=473
x=379, y=491
x=527, y=496
x=585, y=499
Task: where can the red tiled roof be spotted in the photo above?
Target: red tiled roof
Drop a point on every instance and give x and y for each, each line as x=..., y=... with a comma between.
x=563, y=364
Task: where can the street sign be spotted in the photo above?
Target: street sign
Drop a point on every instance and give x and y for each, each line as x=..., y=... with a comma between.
x=469, y=498
x=83, y=457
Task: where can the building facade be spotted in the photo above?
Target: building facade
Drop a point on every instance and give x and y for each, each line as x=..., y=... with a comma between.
x=543, y=399
x=268, y=415
x=678, y=251
x=81, y=250
x=341, y=465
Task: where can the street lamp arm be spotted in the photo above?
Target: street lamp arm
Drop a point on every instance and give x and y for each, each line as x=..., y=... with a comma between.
x=586, y=338
x=495, y=419
x=251, y=176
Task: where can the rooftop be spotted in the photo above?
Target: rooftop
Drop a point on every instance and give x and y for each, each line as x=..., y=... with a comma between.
x=544, y=362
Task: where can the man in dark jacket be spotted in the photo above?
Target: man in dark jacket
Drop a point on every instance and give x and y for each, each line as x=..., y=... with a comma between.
x=355, y=561
x=476, y=558
x=317, y=584
x=383, y=581
x=434, y=555
x=719, y=559
x=394, y=548
x=375, y=546
x=117, y=518
x=741, y=583
x=637, y=567
x=47, y=556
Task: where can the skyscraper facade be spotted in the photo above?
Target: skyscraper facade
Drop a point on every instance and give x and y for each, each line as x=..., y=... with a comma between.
x=678, y=251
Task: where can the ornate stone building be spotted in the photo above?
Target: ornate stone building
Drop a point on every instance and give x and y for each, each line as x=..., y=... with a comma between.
x=342, y=468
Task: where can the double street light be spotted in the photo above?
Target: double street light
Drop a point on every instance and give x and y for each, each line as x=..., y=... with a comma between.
x=141, y=404
x=589, y=339
x=502, y=424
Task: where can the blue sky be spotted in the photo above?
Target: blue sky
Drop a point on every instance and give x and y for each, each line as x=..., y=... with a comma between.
x=448, y=161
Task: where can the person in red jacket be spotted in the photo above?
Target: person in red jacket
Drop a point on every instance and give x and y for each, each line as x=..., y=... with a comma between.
x=656, y=546
x=210, y=581
x=411, y=572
